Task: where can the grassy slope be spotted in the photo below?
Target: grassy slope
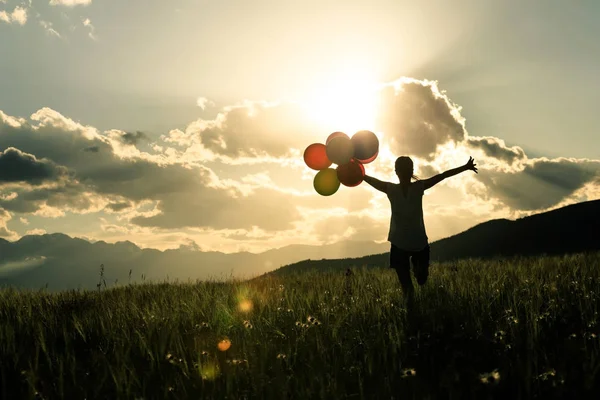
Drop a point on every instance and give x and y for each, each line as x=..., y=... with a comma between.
x=532, y=321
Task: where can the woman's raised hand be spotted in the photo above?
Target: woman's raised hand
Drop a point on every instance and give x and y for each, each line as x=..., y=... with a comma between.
x=470, y=165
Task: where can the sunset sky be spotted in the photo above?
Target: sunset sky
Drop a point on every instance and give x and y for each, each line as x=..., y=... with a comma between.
x=184, y=121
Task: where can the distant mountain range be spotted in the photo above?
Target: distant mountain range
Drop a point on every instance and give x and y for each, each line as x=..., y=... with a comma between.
x=63, y=262
x=570, y=229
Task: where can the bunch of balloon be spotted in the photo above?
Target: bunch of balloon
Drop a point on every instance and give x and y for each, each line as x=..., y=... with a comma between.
x=348, y=153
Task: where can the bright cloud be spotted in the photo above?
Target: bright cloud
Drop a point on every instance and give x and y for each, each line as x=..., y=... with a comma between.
x=49, y=29
x=6, y=233
x=70, y=3
x=203, y=102
x=92, y=30
x=18, y=16
x=36, y=231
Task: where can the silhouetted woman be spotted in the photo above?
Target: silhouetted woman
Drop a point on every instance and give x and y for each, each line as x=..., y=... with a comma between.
x=407, y=228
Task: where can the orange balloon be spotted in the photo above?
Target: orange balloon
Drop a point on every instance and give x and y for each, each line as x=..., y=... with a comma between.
x=351, y=174
x=366, y=146
x=315, y=156
x=334, y=135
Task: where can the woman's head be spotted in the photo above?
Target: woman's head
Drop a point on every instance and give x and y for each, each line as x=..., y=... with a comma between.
x=404, y=168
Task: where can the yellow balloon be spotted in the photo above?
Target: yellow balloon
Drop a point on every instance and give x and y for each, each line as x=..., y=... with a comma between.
x=326, y=182
x=340, y=150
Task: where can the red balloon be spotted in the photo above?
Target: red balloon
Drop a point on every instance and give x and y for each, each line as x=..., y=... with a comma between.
x=351, y=174
x=366, y=146
x=315, y=156
x=334, y=135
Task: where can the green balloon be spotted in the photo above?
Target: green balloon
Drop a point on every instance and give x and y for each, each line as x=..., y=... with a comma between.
x=326, y=182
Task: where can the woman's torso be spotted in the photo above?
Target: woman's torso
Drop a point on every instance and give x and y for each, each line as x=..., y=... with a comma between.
x=407, y=227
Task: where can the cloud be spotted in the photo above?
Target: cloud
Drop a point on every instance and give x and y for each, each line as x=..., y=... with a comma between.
x=416, y=118
x=19, y=266
x=70, y=3
x=54, y=201
x=6, y=233
x=10, y=121
x=253, y=129
x=421, y=121
x=16, y=166
x=49, y=29
x=542, y=183
x=203, y=102
x=185, y=194
x=240, y=177
x=36, y=231
x=92, y=30
x=116, y=207
x=132, y=139
x=18, y=16
x=496, y=148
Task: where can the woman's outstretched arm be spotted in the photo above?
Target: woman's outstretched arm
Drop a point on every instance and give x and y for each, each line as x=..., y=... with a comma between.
x=376, y=183
x=469, y=166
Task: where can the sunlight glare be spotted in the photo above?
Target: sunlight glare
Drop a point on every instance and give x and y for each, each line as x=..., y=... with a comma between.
x=346, y=103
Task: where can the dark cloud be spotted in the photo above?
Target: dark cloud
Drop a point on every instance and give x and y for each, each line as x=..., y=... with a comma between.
x=416, y=118
x=186, y=195
x=427, y=171
x=106, y=173
x=496, y=148
x=542, y=184
x=132, y=138
x=69, y=195
x=118, y=206
x=17, y=166
x=92, y=149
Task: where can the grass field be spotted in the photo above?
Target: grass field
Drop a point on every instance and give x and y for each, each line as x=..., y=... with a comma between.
x=522, y=327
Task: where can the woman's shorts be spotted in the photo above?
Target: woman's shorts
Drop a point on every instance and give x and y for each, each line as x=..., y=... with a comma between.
x=400, y=259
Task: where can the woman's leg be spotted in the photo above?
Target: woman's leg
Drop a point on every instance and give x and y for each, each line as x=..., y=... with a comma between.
x=420, y=261
x=400, y=262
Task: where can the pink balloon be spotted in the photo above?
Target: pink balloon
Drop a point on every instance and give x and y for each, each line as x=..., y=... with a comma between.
x=334, y=135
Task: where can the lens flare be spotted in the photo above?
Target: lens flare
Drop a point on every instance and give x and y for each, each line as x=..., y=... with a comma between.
x=245, y=305
x=209, y=371
x=224, y=345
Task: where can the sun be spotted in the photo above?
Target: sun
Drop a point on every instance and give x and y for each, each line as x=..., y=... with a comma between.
x=347, y=102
